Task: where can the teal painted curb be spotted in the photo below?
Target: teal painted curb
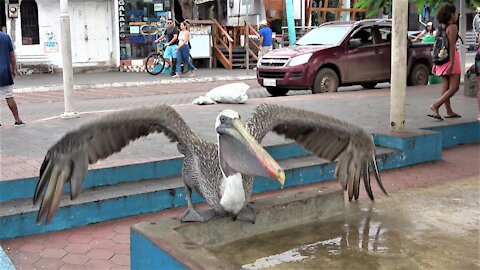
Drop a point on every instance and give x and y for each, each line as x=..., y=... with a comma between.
x=5, y=262
x=92, y=212
x=24, y=188
x=415, y=147
x=145, y=255
x=457, y=134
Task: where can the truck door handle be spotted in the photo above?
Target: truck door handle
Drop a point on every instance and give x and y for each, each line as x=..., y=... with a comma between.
x=376, y=51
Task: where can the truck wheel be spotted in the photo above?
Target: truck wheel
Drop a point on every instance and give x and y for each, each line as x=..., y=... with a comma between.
x=368, y=85
x=326, y=80
x=276, y=92
x=418, y=75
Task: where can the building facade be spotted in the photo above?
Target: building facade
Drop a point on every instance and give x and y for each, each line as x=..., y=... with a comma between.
x=105, y=34
x=35, y=32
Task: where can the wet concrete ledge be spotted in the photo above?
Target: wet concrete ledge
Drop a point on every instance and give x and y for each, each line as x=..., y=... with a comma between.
x=169, y=244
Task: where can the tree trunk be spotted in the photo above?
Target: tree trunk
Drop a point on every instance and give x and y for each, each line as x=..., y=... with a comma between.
x=219, y=15
x=187, y=8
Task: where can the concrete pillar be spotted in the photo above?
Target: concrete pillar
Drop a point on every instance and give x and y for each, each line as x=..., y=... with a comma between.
x=292, y=37
x=398, y=65
x=67, y=66
x=462, y=32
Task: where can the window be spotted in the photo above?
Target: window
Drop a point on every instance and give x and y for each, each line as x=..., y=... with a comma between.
x=136, y=15
x=386, y=33
x=29, y=19
x=3, y=16
x=324, y=35
x=363, y=37
x=320, y=11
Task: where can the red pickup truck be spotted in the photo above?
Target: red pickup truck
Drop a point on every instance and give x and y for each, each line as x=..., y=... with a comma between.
x=337, y=54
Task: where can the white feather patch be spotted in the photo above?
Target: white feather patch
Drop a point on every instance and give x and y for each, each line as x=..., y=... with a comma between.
x=233, y=197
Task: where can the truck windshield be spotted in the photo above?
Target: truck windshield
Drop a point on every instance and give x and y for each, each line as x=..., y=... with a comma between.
x=324, y=35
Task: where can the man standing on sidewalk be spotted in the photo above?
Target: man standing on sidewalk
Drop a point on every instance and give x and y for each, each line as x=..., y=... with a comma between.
x=172, y=41
x=476, y=23
x=8, y=71
x=265, y=39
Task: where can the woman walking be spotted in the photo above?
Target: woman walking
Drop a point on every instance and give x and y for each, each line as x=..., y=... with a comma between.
x=450, y=71
x=183, y=51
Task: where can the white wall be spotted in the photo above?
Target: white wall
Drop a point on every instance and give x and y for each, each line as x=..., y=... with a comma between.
x=101, y=47
x=236, y=14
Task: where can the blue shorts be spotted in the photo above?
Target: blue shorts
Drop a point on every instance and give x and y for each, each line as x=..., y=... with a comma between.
x=170, y=52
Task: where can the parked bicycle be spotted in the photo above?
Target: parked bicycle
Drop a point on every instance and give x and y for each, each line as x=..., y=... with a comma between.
x=155, y=63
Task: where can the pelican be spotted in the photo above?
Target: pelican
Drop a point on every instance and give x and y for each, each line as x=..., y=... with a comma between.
x=222, y=173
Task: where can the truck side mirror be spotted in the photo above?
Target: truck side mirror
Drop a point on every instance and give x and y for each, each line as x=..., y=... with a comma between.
x=354, y=43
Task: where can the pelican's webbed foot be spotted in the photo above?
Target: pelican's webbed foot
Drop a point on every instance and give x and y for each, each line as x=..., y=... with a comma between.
x=247, y=214
x=193, y=216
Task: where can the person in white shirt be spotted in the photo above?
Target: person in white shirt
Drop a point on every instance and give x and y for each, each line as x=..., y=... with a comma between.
x=428, y=31
x=476, y=22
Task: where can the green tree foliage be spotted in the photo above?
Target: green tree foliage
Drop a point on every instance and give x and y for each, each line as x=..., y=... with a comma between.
x=375, y=6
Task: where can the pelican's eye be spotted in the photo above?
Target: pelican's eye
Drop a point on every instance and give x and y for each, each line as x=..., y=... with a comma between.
x=222, y=118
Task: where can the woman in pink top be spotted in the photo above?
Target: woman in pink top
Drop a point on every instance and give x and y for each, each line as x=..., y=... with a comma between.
x=450, y=71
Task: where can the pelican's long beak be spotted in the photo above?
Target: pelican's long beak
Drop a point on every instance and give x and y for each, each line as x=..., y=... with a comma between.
x=244, y=154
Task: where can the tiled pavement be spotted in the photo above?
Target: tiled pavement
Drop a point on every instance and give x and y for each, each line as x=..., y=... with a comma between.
x=106, y=245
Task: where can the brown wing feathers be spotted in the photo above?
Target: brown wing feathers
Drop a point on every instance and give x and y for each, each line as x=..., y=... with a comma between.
x=68, y=159
x=327, y=138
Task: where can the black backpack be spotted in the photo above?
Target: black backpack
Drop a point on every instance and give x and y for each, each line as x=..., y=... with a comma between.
x=440, y=51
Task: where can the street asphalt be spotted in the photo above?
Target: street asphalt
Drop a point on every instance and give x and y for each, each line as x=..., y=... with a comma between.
x=49, y=82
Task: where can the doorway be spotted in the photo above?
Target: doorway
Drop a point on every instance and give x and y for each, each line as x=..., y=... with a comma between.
x=3, y=16
x=91, y=31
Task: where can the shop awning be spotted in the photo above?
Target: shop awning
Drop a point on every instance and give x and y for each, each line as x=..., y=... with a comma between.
x=198, y=2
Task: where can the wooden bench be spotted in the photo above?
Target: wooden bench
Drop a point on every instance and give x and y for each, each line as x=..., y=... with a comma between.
x=28, y=64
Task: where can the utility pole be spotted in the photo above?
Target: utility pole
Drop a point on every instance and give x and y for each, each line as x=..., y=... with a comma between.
x=292, y=37
x=398, y=65
x=67, y=62
x=462, y=30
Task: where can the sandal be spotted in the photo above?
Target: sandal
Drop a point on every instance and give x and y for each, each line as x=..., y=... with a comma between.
x=436, y=116
x=453, y=116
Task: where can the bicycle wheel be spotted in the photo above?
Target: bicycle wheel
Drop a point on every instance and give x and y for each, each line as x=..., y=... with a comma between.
x=155, y=64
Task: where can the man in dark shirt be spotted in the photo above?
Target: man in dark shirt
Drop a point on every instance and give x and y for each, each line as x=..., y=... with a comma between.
x=171, y=33
x=8, y=71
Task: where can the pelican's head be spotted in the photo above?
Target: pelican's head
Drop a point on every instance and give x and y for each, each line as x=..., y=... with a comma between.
x=240, y=152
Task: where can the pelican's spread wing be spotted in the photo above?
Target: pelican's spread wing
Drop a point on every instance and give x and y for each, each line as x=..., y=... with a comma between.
x=68, y=159
x=325, y=137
